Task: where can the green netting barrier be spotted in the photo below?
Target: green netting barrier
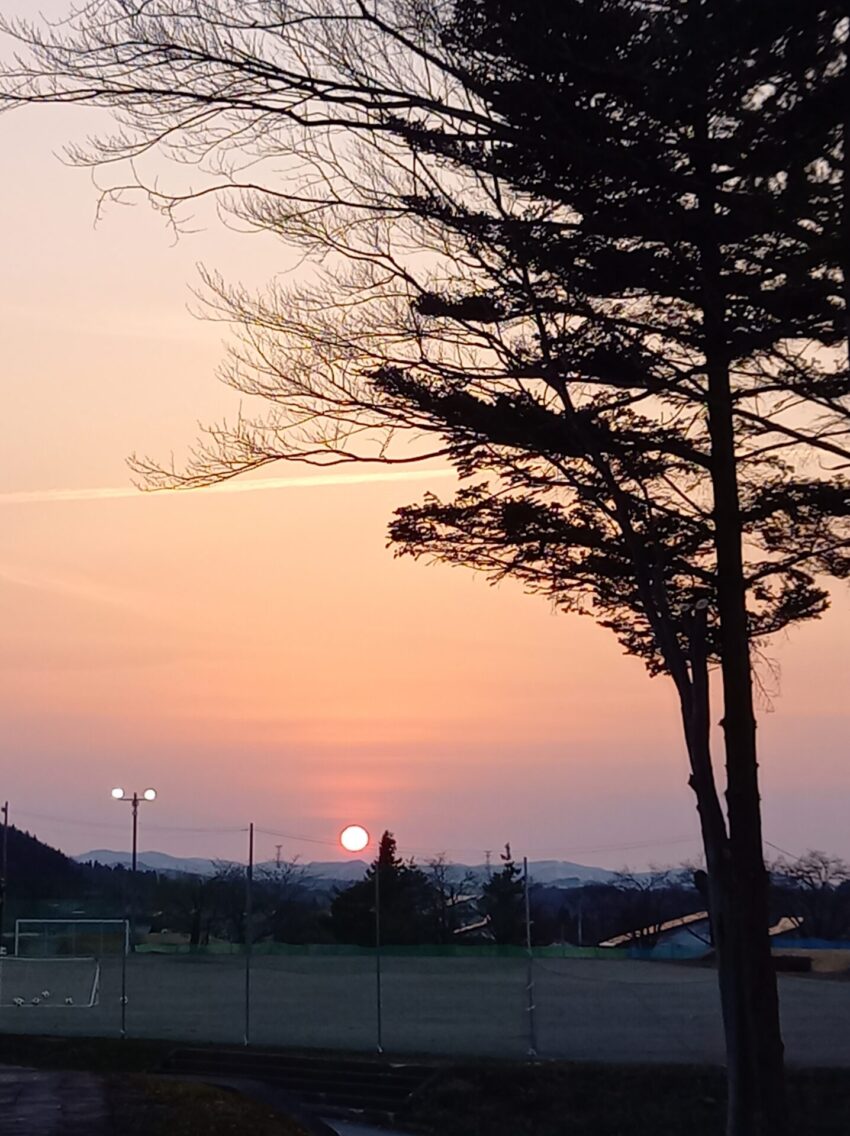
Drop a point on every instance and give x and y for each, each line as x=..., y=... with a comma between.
x=330, y=950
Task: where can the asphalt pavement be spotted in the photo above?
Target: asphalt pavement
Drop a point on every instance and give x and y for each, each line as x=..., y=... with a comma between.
x=38, y=1102
x=42, y=1102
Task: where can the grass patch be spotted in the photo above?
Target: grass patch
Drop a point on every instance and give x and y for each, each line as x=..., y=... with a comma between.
x=153, y=1106
x=557, y=1099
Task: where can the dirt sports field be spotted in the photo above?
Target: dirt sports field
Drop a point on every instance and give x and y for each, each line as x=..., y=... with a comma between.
x=585, y=1009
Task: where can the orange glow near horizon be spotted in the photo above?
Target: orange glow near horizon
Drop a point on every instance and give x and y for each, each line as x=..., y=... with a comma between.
x=261, y=656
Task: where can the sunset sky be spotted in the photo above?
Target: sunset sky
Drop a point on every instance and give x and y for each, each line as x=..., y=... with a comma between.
x=260, y=656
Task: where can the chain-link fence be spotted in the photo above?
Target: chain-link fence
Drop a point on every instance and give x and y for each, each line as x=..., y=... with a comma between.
x=486, y=1001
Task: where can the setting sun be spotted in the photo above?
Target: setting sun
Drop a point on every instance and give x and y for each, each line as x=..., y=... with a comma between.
x=354, y=838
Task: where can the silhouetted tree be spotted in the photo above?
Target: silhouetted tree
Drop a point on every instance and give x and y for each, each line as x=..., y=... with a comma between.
x=553, y=915
x=651, y=899
x=452, y=896
x=226, y=893
x=592, y=253
x=185, y=904
x=36, y=871
x=502, y=901
x=405, y=901
x=290, y=911
x=816, y=889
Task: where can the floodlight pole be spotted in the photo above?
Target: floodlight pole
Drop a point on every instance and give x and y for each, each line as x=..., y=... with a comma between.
x=134, y=801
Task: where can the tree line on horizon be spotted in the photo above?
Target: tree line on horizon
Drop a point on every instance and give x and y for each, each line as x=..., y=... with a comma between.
x=420, y=905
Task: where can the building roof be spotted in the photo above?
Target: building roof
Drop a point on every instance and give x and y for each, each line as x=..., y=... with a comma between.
x=786, y=923
x=657, y=929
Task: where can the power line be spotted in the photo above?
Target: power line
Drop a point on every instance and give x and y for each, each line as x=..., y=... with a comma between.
x=576, y=851
x=784, y=851
x=623, y=847
x=69, y=820
x=113, y=824
x=185, y=828
x=582, y=850
x=302, y=839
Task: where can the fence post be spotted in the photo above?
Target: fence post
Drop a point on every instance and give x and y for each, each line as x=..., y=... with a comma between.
x=124, y=953
x=249, y=931
x=378, y=992
x=532, y=1022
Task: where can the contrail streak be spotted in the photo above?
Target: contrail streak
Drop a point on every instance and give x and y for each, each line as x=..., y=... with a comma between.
x=257, y=485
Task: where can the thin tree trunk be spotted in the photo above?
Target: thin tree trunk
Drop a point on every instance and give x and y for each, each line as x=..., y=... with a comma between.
x=697, y=719
x=756, y=1106
x=195, y=927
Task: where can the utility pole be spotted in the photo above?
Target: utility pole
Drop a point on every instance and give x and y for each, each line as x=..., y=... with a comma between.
x=4, y=865
x=277, y=855
x=488, y=867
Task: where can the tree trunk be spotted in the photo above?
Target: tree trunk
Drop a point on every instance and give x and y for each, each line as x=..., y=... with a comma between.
x=737, y=880
x=696, y=718
x=756, y=1076
x=195, y=928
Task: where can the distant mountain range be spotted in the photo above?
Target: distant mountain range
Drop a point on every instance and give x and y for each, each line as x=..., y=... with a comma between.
x=553, y=873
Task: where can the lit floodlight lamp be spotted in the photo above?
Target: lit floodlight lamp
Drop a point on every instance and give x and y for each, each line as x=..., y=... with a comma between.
x=354, y=838
x=134, y=801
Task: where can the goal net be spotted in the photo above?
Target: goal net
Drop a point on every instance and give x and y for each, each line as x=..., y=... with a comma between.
x=49, y=982
x=70, y=938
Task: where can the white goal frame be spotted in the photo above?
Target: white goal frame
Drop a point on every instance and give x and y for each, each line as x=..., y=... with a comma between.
x=94, y=991
x=125, y=923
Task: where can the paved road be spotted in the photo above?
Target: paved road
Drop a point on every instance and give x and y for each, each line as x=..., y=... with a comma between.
x=35, y=1102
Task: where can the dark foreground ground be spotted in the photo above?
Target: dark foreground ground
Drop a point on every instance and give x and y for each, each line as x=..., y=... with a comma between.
x=143, y=1105
x=477, y=1098
x=558, y=1099
x=48, y=1102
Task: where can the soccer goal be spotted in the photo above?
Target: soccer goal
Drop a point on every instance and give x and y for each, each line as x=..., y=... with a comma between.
x=71, y=938
x=51, y=983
